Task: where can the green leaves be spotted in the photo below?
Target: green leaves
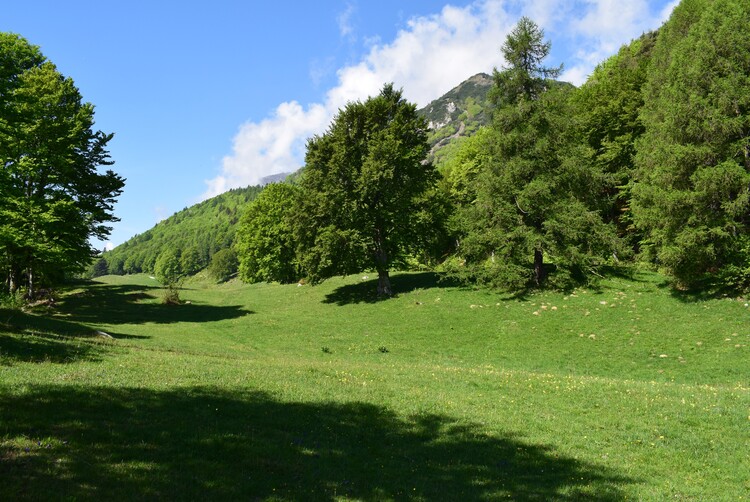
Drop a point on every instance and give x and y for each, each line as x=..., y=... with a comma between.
x=52, y=195
x=692, y=197
x=168, y=269
x=533, y=197
x=362, y=188
x=265, y=240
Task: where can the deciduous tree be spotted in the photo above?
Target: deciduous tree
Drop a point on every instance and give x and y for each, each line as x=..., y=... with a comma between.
x=362, y=189
x=53, y=199
x=265, y=239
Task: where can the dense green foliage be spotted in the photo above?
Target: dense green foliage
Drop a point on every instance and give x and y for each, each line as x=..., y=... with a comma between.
x=196, y=233
x=608, y=109
x=524, y=192
x=224, y=264
x=52, y=196
x=265, y=237
x=692, y=198
x=363, y=189
x=167, y=267
x=649, y=157
x=169, y=272
x=647, y=160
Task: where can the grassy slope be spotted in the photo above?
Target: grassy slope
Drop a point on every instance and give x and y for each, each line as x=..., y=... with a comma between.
x=441, y=393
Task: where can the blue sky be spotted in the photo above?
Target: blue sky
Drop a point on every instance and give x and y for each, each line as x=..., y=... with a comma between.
x=207, y=96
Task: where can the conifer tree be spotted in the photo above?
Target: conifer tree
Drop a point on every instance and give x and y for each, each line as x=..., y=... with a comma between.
x=692, y=198
x=534, y=199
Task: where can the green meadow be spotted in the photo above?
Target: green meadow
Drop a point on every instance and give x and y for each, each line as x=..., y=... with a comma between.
x=268, y=392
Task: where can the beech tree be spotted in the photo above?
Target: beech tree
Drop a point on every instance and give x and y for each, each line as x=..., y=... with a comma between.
x=265, y=240
x=362, y=190
x=52, y=196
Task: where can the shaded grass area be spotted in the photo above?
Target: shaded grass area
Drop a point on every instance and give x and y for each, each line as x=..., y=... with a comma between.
x=44, y=349
x=209, y=444
x=46, y=331
x=135, y=304
x=365, y=291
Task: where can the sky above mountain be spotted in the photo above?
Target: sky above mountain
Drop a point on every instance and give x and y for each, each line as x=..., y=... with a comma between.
x=207, y=96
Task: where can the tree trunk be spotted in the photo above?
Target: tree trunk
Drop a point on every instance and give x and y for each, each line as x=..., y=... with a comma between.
x=31, y=284
x=12, y=282
x=384, y=283
x=538, y=267
x=381, y=265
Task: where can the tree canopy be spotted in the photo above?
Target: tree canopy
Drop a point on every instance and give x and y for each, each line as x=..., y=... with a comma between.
x=362, y=189
x=692, y=196
x=532, y=196
x=53, y=198
x=198, y=231
x=265, y=238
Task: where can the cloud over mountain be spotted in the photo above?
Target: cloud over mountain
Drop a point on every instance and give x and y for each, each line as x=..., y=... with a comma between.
x=428, y=57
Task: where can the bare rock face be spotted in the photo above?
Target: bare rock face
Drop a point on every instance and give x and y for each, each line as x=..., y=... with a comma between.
x=459, y=112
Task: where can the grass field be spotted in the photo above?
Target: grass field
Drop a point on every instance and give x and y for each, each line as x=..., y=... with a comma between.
x=268, y=392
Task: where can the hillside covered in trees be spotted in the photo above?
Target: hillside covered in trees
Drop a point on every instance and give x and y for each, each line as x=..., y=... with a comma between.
x=539, y=183
x=196, y=233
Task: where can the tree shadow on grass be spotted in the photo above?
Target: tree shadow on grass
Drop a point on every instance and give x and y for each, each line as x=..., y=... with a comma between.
x=133, y=304
x=34, y=338
x=697, y=294
x=62, y=332
x=208, y=444
x=401, y=283
x=45, y=349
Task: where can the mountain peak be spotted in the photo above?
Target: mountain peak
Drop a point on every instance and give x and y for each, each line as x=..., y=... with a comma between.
x=459, y=112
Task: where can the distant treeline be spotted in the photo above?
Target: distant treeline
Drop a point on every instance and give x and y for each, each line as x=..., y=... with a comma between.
x=196, y=233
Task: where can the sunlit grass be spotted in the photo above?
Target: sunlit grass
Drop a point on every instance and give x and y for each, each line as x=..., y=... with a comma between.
x=625, y=391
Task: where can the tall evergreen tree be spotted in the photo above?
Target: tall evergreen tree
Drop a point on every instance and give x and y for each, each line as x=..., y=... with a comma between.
x=524, y=77
x=693, y=195
x=533, y=198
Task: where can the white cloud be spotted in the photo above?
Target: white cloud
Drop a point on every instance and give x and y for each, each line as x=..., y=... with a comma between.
x=344, y=21
x=427, y=58
x=108, y=246
x=274, y=145
x=602, y=26
x=433, y=53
